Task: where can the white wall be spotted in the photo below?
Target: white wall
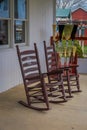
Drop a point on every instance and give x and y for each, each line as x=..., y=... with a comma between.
x=41, y=20
x=9, y=69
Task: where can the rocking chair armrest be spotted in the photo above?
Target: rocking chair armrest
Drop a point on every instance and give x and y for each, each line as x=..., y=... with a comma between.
x=67, y=67
x=64, y=68
x=74, y=65
x=56, y=71
x=38, y=76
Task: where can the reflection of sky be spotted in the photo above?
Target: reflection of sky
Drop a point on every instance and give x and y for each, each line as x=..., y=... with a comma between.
x=21, y=8
x=4, y=6
x=18, y=22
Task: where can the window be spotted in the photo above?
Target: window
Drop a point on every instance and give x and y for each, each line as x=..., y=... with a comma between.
x=19, y=31
x=13, y=21
x=20, y=20
x=3, y=32
x=4, y=8
x=4, y=18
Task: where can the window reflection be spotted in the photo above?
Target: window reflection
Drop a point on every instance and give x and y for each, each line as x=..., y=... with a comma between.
x=19, y=31
x=4, y=8
x=3, y=32
x=20, y=9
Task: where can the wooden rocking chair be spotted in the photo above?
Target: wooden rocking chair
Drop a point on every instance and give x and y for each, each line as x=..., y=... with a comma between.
x=55, y=90
x=52, y=64
x=35, y=87
x=73, y=73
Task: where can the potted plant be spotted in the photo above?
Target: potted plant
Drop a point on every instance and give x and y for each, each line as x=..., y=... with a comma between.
x=81, y=60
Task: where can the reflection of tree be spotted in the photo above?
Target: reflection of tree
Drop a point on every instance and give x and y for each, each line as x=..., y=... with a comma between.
x=19, y=31
x=4, y=8
x=5, y=5
x=3, y=32
x=1, y=1
x=68, y=3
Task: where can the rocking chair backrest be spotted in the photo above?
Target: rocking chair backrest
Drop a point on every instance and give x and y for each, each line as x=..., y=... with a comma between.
x=29, y=63
x=51, y=57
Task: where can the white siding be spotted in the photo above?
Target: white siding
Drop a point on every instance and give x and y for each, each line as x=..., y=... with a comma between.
x=41, y=20
x=9, y=69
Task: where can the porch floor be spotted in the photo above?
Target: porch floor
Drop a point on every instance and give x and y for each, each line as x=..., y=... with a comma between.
x=71, y=115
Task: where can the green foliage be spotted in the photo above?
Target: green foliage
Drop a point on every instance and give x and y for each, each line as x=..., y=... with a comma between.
x=60, y=47
x=85, y=50
x=79, y=49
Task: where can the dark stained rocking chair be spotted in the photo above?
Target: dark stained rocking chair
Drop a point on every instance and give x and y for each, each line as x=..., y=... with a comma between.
x=73, y=73
x=52, y=64
x=35, y=88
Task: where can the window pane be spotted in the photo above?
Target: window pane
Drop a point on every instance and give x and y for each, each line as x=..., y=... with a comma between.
x=19, y=31
x=20, y=9
x=3, y=32
x=4, y=8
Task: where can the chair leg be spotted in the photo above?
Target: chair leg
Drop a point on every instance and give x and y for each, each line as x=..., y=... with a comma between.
x=78, y=85
x=45, y=96
x=63, y=90
x=63, y=93
x=69, y=87
x=76, y=80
